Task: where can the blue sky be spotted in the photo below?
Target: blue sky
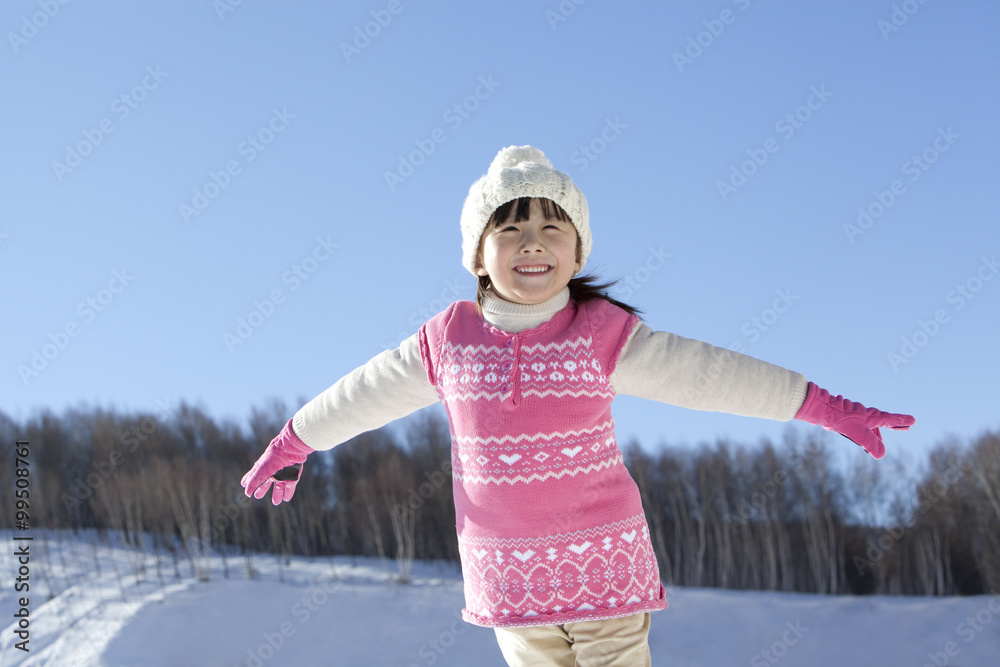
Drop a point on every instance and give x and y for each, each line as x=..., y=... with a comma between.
x=814, y=182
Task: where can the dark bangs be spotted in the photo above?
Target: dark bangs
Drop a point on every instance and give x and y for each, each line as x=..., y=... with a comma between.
x=550, y=210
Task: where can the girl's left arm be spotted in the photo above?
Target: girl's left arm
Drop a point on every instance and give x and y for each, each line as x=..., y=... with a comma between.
x=689, y=373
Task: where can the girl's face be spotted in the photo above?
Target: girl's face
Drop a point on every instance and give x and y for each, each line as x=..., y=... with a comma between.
x=531, y=260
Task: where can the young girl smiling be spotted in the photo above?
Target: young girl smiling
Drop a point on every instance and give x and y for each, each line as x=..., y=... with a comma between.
x=555, y=550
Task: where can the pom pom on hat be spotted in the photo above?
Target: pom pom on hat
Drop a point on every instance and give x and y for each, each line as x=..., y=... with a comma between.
x=520, y=171
x=512, y=156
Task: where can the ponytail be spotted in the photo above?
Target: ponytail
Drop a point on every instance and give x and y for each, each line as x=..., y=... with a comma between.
x=585, y=288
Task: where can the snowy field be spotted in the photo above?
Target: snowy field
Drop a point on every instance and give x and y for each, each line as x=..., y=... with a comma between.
x=87, y=608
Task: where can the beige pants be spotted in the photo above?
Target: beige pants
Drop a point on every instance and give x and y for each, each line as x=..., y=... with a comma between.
x=611, y=643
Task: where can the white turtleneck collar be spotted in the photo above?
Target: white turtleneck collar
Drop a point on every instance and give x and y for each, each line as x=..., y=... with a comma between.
x=517, y=317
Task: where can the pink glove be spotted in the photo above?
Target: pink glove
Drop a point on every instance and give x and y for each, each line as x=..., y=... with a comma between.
x=285, y=450
x=851, y=420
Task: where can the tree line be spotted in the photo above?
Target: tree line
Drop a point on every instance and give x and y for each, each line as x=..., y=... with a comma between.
x=780, y=517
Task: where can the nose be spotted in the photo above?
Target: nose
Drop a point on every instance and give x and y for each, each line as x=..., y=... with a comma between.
x=530, y=242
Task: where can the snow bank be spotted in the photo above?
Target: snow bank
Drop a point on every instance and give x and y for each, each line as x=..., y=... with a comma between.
x=88, y=608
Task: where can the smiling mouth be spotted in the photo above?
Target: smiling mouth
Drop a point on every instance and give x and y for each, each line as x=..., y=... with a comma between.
x=533, y=269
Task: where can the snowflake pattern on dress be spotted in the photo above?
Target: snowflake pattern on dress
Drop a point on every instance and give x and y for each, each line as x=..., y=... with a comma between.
x=586, y=574
x=550, y=524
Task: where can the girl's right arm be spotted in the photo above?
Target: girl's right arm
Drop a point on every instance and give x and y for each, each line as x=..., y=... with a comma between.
x=390, y=386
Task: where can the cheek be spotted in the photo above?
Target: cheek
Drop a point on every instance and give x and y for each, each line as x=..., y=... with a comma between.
x=571, y=248
x=495, y=248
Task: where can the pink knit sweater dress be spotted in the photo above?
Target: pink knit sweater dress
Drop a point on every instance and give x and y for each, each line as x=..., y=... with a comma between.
x=550, y=523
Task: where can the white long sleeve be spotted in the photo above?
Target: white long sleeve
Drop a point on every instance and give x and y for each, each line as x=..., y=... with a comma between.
x=688, y=373
x=390, y=386
x=656, y=365
x=394, y=383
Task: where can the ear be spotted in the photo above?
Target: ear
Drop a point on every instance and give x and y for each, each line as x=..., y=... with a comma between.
x=480, y=269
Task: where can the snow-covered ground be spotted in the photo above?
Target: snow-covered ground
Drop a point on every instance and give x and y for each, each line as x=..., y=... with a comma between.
x=87, y=608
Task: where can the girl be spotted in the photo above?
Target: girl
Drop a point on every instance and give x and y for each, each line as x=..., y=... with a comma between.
x=555, y=551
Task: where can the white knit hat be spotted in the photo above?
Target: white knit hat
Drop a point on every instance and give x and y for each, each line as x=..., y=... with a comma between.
x=520, y=171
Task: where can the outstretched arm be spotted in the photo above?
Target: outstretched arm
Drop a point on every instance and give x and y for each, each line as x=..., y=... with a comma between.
x=392, y=385
x=671, y=369
x=665, y=367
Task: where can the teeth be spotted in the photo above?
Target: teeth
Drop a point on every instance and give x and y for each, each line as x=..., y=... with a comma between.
x=532, y=269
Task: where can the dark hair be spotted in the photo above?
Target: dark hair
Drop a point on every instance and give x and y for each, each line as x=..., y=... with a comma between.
x=581, y=288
